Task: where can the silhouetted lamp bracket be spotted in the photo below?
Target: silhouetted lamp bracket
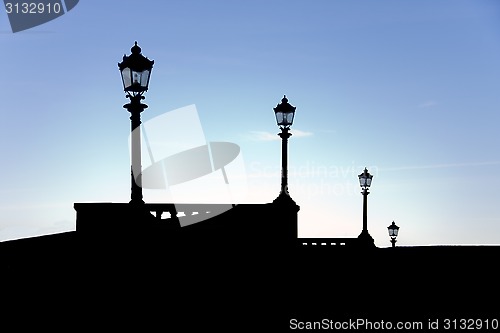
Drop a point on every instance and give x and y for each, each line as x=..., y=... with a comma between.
x=135, y=70
x=284, y=113
x=393, y=233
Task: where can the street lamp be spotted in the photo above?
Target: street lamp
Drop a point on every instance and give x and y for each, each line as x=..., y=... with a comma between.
x=284, y=113
x=365, y=181
x=393, y=233
x=135, y=70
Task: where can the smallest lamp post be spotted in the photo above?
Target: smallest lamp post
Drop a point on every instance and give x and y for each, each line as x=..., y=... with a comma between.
x=393, y=233
x=284, y=113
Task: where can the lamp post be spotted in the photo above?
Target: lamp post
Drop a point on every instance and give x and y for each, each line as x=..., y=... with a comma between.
x=365, y=181
x=135, y=70
x=284, y=113
x=393, y=233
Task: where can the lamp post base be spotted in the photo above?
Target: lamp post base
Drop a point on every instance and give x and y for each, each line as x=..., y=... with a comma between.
x=137, y=202
x=284, y=198
x=366, y=240
x=393, y=241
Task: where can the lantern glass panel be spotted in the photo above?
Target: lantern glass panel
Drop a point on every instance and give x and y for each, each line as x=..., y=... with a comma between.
x=362, y=181
x=136, y=78
x=368, y=181
x=280, y=118
x=145, y=79
x=127, y=78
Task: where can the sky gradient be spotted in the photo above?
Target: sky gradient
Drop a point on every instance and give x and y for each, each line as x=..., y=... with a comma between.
x=409, y=90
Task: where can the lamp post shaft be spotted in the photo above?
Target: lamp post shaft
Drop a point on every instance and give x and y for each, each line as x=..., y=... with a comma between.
x=135, y=107
x=393, y=241
x=285, y=134
x=365, y=208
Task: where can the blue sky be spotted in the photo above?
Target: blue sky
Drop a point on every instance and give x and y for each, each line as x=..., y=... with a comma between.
x=408, y=89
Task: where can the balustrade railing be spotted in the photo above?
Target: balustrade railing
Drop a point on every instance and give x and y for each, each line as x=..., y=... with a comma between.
x=327, y=242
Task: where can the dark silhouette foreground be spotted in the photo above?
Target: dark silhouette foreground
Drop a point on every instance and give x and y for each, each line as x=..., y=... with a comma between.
x=232, y=273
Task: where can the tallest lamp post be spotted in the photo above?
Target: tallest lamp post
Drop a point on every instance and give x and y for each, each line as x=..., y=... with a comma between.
x=135, y=70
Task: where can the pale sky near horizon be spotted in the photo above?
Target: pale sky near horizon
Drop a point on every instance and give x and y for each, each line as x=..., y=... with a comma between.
x=410, y=90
